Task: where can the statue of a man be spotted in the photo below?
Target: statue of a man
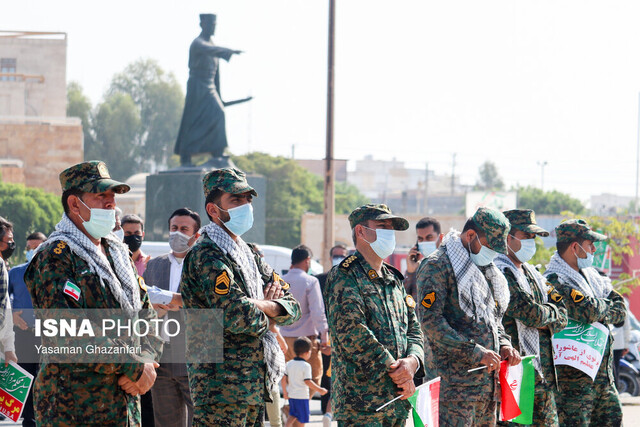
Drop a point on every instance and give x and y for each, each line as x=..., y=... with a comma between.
x=202, y=129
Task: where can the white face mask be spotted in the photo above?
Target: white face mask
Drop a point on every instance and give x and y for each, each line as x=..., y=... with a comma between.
x=426, y=248
x=484, y=257
x=584, y=262
x=385, y=242
x=179, y=242
x=527, y=249
x=100, y=223
x=119, y=234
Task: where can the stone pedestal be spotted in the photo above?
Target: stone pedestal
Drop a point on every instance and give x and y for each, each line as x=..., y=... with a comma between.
x=182, y=187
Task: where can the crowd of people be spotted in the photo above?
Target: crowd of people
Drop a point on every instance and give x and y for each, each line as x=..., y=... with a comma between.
x=358, y=335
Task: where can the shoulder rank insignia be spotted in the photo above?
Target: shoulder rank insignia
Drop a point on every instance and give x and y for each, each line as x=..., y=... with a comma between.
x=143, y=285
x=555, y=296
x=276, y=278
x=222, y=284
x=347, y=262
x=59, y=247
x=429, y=299
x=576, y=295
x=411, y=303
x=372, y=274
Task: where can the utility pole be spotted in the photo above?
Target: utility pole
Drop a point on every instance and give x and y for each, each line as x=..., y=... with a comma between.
x=426, y=188
x=293, y=151
x=542, y=165
x=453, y=173
x=329, y=178
x=637, y=159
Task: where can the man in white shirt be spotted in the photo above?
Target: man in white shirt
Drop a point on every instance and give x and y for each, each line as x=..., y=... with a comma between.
x=172, y=404
x=313, y=321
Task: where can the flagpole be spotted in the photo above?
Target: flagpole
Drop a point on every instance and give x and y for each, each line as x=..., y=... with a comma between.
x=417, y=388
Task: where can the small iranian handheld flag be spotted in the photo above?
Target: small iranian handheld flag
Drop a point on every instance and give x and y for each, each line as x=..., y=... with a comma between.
x=426, y=404
x=517, y=384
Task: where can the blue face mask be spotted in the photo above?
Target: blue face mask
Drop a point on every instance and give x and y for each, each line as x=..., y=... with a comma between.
x=584, y=262
x=100, y=223
x=484, y=257
x=527, y=249
x=336, y=260
x=240, y=219
x=426, y=248
x=30, y=253
x=385, y=242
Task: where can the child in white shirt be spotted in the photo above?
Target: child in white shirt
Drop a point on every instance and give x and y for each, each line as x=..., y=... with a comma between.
x=297, y=382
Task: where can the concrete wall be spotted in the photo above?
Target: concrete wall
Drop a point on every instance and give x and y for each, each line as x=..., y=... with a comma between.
x=46, y=57
x=46, y=149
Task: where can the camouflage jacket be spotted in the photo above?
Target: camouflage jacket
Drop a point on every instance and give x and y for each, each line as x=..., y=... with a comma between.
x=372, y=323
x=211, y=279
x=83, y=394
x=533, y=312
x=608, y=311
x=456, y=340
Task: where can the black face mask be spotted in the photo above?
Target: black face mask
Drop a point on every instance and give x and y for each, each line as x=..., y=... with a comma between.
x=133, y=241
x=9, y=251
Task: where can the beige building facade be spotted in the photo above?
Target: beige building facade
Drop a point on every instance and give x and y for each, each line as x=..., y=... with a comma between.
x=37, y=140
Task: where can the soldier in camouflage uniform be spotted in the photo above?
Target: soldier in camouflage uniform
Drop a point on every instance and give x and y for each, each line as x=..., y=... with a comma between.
x=83, y=266
x=376, y=338
x=589, y=297
x=536, y=310
x=222, y=272
x=463, y=298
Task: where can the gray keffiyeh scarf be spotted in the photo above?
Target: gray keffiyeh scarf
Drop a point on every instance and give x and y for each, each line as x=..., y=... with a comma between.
x=475, y=295
x=122, y=283
x=529, y=338
x=595, y=285
x=240, y=252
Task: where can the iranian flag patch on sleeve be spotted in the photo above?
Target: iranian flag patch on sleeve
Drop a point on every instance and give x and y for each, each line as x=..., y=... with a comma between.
x=72, y=290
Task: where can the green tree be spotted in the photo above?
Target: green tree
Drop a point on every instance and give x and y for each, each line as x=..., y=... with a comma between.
x=292, y=191
x=547, y=202
x=117, y=126
x=29, y=209
x=78, y=105
x=160, y=100
x=489, y=178
x=621, y=232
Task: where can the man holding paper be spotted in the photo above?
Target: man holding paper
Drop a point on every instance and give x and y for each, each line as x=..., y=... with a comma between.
x=376, y=338
x=536, y=311
x=463, y=298
x=590, y=300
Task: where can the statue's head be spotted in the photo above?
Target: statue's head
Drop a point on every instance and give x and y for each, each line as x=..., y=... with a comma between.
x=208, y=23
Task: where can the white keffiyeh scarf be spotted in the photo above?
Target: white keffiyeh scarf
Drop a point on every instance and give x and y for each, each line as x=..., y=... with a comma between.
x=122, y=283
x=595, y=285
x=474, y=293
x=529, y=338
x=240, y=252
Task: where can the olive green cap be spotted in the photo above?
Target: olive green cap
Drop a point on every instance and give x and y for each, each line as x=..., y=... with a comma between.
x=229, y=180
x=573, y=229
x=525, y=220
x=376, y=212
x=495, y=227
x=91, y=177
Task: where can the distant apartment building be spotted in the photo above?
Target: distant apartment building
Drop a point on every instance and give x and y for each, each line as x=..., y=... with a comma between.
x=37, y=140
x=407, y=190
x=318, y=167
x=610, y=204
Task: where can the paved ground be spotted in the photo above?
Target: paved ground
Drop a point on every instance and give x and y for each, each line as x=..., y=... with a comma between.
x=630, y=409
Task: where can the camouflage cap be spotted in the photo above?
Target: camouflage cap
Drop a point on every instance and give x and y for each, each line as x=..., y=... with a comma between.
x=376, y=212
x=91, y=177
x=229, y=180
x=577, y=229
x=525, y=220
x=495, y=227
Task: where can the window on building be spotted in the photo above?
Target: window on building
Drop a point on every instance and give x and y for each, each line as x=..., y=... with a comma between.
x=7, y=65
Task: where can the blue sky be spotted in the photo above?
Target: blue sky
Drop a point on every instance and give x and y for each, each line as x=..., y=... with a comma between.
x=515, y=82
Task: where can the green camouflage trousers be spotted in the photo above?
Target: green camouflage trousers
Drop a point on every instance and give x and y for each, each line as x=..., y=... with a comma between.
x=463, y=413
x=582, y=402
x=372, y=422
x=238, y=415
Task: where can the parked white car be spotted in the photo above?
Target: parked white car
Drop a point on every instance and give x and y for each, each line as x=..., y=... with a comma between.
x=277, y=257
